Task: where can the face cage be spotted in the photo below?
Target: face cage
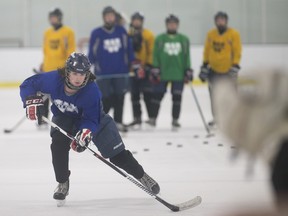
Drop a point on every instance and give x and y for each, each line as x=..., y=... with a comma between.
x=67, y=82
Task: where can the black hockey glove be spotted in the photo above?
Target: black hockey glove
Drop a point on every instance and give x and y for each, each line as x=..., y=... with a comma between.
x=138, y=69
x=234, y=71
x=204, y=72
x=154, y=76
x=188, y=77
x=83, y=138
x=34, y=108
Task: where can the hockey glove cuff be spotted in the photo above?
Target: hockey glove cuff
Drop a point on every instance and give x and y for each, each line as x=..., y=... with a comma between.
x=34, y=107
x=83, y=138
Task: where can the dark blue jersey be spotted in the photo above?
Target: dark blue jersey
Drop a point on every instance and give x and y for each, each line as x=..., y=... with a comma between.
x=84, y=106
x=111, y=52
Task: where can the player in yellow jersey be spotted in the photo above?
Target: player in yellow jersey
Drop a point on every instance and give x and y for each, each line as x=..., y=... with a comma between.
x=143, y=43
x=58, y=44
x=222, y=54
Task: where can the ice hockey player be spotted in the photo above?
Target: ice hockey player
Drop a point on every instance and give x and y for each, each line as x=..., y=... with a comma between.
x=222, y=54
x=171, y=63
x=77, y=109
x=58, y=44
x=111, y=53
x=143, y=43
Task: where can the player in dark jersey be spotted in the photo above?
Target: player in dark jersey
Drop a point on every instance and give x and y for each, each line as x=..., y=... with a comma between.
x=77, y=108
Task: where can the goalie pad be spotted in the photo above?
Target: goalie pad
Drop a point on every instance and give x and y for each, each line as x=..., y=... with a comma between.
x=255, y=115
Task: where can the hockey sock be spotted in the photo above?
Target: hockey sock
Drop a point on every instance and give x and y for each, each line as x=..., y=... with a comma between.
x=176, y=108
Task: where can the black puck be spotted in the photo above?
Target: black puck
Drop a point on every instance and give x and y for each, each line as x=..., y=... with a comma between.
x=196, y=136
x=205, y=142
x=168, y=143
x=145, y=149
x=179, y=145
x=134, y=152
x=220, y=144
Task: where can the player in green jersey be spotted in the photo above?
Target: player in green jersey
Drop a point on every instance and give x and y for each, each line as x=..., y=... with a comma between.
x=171, y=63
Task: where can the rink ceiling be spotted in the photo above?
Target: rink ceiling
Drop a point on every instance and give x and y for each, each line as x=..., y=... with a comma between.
x=27, y=179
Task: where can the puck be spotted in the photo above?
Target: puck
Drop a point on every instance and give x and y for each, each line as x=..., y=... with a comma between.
x=179, y=145
x=146, y=149
x=220, y=144
x=233, y=147
x=205, y=142
x=168, y=143
x=196, y=136
x=134, y=152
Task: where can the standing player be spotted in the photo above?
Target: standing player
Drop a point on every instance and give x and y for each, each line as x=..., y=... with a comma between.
x=58, y=44
x=222, y=55
x=111, y=52
x=171, y=63
x=143, y=43
x=77, y=107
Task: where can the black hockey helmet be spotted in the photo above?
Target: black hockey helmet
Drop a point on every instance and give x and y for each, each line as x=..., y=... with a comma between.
x=172, y=18
x=77, y=62
x=56, y=12
x=221, y=14
x=108, y=9
x=137, y=15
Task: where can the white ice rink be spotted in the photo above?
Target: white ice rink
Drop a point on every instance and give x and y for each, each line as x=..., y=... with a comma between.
x=27, y=178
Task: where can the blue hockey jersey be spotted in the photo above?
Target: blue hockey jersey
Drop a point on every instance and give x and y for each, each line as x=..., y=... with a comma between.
x=84, y=106
x=111, y=52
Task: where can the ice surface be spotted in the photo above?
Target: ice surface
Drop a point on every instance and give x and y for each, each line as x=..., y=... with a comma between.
x=27, y=179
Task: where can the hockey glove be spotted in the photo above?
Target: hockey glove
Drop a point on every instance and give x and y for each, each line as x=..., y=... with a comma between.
x=188, y=77
x=34, y=108
x=154, y=75
x=83, y=138
x=138, y=69
x=204, y=72
x=234, y=71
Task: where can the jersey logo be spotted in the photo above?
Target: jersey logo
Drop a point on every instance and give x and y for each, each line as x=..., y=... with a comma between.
x=64, y=106
x=218, y=46
x=54, y=44
x=112, y=45
x=172, y=48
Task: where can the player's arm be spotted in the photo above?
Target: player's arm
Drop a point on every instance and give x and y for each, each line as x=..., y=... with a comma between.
x=156, y=70
x=71, y=45
x=236, y=48
x=188, y=73
x=150, y=42
x=92, y=49
x=204, y=70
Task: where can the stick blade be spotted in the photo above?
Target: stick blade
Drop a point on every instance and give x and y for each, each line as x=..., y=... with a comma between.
x=189, y=204
x=7, y=131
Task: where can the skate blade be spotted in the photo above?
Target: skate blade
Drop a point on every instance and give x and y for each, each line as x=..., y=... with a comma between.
x=60, y=203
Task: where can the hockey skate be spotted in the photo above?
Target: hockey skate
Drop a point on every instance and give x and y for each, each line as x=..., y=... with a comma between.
x=61, y=192
x=175, y=125
x=151, y=123
x=135, y=124
x=150, y=183
x=122, y=127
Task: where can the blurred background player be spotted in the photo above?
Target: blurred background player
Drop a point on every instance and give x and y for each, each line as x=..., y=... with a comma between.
x=222, y=54
x=254, y=117
x=111, y=52
x=143, y=43
x=171, y=63
x=58, y=44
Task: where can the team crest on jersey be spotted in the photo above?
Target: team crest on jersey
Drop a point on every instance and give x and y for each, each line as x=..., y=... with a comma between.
x=64, y=106
x=112, y=45
x=218, y=46
x=172, y=48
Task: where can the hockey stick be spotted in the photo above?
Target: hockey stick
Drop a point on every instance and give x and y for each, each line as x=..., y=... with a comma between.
x=201, y=113
x=175, y=208
x=15, y=126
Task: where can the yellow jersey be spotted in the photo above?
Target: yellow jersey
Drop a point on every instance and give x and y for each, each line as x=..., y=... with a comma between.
x=222, y=50
x=57, y=46
x=145, y=54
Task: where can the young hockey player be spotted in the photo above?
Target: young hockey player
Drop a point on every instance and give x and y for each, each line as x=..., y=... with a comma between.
x=111, y=52
x=222, y=54
x=143, y=43
x=171, y=63
x=58, y=44
x=77, y=108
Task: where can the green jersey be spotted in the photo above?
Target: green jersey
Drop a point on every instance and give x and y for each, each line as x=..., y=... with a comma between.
x=172, y=55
